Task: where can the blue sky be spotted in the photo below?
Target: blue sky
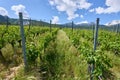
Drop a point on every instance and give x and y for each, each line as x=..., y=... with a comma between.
x=64, y=11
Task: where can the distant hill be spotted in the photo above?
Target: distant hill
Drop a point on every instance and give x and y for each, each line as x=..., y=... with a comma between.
x=3, y=19
x=28, y=21
x=113, y=23
x=81, y=25
x=90, y=26
x=12, y=21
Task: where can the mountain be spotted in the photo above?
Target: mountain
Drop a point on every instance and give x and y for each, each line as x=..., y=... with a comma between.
x=113, y=23
x=78, y=25
x=13, y=21
x=82, y=25
x=3, y=19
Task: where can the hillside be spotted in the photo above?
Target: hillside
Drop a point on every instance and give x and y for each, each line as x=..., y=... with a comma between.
x=3, y=19
x=13, y=21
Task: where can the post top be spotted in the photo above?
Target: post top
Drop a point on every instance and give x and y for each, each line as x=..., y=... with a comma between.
x=20, y=13
x=98, y=19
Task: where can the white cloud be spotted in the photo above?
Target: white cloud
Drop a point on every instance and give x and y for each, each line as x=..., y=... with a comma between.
x=91, y=10
x=3, y=11
x=51, y=2
x=70, y=6
x=82, y=22
x=100, y=10
x=114, y=22
x=81, y=16
x=20, y=8
x=55, y=19
x=112, y=7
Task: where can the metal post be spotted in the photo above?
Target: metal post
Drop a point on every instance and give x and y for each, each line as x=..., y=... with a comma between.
x=50, y=26
x=117, y=28
x=72, y=25
x=113, y=28
x=66, y=26
x=23, y=39
x=6, y=21
x=96, y=33
x=93, y=28
x=29, y=23
x=95, y=44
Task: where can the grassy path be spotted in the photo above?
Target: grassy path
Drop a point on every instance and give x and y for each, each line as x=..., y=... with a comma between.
x=64, y=42
x=74, y=67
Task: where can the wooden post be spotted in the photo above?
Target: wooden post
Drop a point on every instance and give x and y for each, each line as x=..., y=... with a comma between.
x=95, y=44
x=50, y=26
x=72, y=25
x=23, y=39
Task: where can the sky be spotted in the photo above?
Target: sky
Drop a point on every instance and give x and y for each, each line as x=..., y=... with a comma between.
x=64, y=11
